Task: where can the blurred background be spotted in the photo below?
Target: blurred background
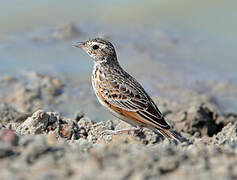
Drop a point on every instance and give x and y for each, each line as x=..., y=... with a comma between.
x=171, y=47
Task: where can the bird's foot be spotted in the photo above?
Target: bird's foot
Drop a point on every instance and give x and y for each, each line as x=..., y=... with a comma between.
x=136, y=131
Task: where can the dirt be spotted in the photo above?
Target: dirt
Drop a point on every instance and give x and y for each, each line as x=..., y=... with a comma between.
x=40, y=143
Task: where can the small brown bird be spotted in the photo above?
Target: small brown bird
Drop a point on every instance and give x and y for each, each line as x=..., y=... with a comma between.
x=120, y=93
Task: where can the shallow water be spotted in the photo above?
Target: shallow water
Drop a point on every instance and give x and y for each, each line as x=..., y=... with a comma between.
x=205, y=31
x=176, y=41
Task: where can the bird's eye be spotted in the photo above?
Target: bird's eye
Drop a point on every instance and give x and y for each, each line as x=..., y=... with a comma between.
x=95, y=47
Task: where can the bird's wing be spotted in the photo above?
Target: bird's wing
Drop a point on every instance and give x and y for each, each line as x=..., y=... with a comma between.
x=123, y=91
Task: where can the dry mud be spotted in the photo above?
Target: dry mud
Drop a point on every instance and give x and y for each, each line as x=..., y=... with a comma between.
x=38, y=143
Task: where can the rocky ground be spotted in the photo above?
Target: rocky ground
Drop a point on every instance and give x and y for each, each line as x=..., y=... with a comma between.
x=38, y=143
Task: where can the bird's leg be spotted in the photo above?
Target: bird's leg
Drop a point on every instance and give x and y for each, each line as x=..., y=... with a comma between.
x=121, y=131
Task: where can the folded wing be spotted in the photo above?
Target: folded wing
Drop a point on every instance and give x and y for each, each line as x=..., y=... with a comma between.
x=129, y=95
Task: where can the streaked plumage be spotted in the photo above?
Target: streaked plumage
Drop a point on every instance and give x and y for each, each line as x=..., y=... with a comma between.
x=119, y=92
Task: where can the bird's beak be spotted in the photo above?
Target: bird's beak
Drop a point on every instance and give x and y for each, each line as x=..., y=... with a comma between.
x=79, y=44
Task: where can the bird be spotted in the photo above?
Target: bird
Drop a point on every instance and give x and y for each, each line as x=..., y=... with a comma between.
x=121, y=93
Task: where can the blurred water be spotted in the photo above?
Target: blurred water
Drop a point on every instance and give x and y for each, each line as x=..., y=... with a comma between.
x=206, y=30
x=183, y=40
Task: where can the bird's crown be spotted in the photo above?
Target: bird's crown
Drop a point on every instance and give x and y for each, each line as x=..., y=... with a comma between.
x=99, y=49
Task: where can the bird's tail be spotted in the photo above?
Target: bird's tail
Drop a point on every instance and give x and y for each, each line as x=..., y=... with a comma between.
x=171, y=134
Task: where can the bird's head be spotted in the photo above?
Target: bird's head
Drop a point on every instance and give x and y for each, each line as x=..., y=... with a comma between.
x=102, y=51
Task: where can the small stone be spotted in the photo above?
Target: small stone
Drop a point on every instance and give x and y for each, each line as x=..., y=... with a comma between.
x=7, y=135
x=65, y=131
x=9, y=114
x=5, y=149
x=79, y=115
x=199, y=120
x=39, y=122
